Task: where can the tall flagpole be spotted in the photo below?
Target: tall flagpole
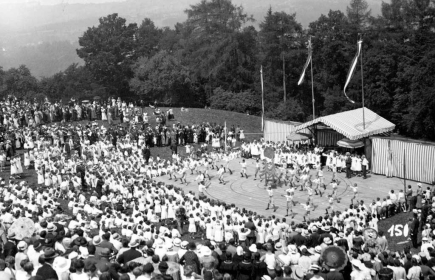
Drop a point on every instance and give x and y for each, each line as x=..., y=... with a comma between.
x=404, y=172
x=362, y=84
x=225, y=136
x=312, y=84
x=262, y=99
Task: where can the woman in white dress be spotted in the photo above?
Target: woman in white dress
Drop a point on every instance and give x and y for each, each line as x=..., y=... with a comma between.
x=103, y=114
x=260, y=233
x=229, y=231
x=26, y=160
x=209, y=230
x=13, y=167
x=19, y=166
x=47, y=181
x=164, y=213
x=192, y=226
x=358, y=165
x=171, y=210
x=218, y=231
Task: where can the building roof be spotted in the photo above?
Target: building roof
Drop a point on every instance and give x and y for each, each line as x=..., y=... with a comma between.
x=350, y=123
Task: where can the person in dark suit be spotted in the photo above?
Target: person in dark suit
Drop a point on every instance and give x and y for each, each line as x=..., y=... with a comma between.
x=298, y=239
x=348, y=166
x=105, y=243
x=99, y=187
x=147, y=154
x=10, y=247
x=413, y=229
x=130, y=254
x=251, y=236
x=91, y=259
x=46, y=271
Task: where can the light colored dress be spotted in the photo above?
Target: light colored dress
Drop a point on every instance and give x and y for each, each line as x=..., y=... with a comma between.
x=13, y=167
x=229, y=234
x=218, y=232
x=19, y=166
x=192, y=227
x=103, y=114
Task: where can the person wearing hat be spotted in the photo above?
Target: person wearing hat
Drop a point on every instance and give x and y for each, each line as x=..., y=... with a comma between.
x=10, y=247
x=21, y=255
x=315, y=273
x=46, y=271
x=91, y=259
x=130, y=254
x=33, y=252
x=360, y=271
x=191, y=258
x=305, y=260
x=104, y=260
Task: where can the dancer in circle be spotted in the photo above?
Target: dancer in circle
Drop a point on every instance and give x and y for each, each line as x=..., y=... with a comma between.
x=307, y=207
x=221, y=172
x=289, y=197
x=271, y=202
x=355, y=191
x=243, y=171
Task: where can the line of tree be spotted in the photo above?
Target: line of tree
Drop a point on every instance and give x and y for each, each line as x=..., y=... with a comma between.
x=214, y=57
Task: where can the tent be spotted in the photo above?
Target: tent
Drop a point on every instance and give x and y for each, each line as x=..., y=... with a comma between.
x=351, y=125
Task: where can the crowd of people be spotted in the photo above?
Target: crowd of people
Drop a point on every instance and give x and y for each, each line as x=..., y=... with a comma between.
x=103, y=207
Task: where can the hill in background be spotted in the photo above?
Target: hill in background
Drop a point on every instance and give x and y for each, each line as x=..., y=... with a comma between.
x=26, y=27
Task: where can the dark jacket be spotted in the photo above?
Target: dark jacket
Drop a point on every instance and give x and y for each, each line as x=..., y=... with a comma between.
x=128, y=256
x=47, y=272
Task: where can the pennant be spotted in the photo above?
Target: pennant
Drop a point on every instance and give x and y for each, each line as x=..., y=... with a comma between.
x=352, y=70
x=310, y=53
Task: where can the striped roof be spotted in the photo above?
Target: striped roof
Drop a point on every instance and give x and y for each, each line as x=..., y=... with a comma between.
x=350, y=123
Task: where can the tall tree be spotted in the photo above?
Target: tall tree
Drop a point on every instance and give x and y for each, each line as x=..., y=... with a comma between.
x=163, y=78
x=148, y=37
x=279, y=38
x=211, y=40
x=109, y=51
x=20, y=83
x=359, y=14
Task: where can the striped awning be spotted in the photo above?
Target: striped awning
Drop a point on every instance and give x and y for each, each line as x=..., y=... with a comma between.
x=350, y=123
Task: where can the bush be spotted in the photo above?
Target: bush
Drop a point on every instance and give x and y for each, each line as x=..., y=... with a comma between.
x=242, y=102
x=291, y=110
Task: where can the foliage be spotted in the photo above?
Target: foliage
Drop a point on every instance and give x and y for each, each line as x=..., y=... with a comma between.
x=242, y=102
x=75, y=82
x=162, y=78
x=109, y=52
x=291, y=110
x=18, y=82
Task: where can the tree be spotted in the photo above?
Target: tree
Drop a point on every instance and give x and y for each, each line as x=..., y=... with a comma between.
x=20, y=83
x=148, y=37
x=163, y=78
x=76, y=81
x=211, y=40
x=359, y=14
x=109, y=51
x=279, y=38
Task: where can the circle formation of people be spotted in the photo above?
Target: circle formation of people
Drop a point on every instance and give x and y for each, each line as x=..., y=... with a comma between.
x=99, y=210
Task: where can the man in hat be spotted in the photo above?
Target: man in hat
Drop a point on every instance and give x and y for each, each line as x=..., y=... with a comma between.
x=91, y=259
x=46, y=271
x=10, y=247
x=130, y=254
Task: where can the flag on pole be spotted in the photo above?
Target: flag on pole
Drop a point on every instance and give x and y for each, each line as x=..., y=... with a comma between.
x=262, y=99
x=352, y=69
x=310, y=54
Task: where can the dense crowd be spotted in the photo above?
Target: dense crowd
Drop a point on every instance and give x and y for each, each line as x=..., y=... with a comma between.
x=125, y=221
